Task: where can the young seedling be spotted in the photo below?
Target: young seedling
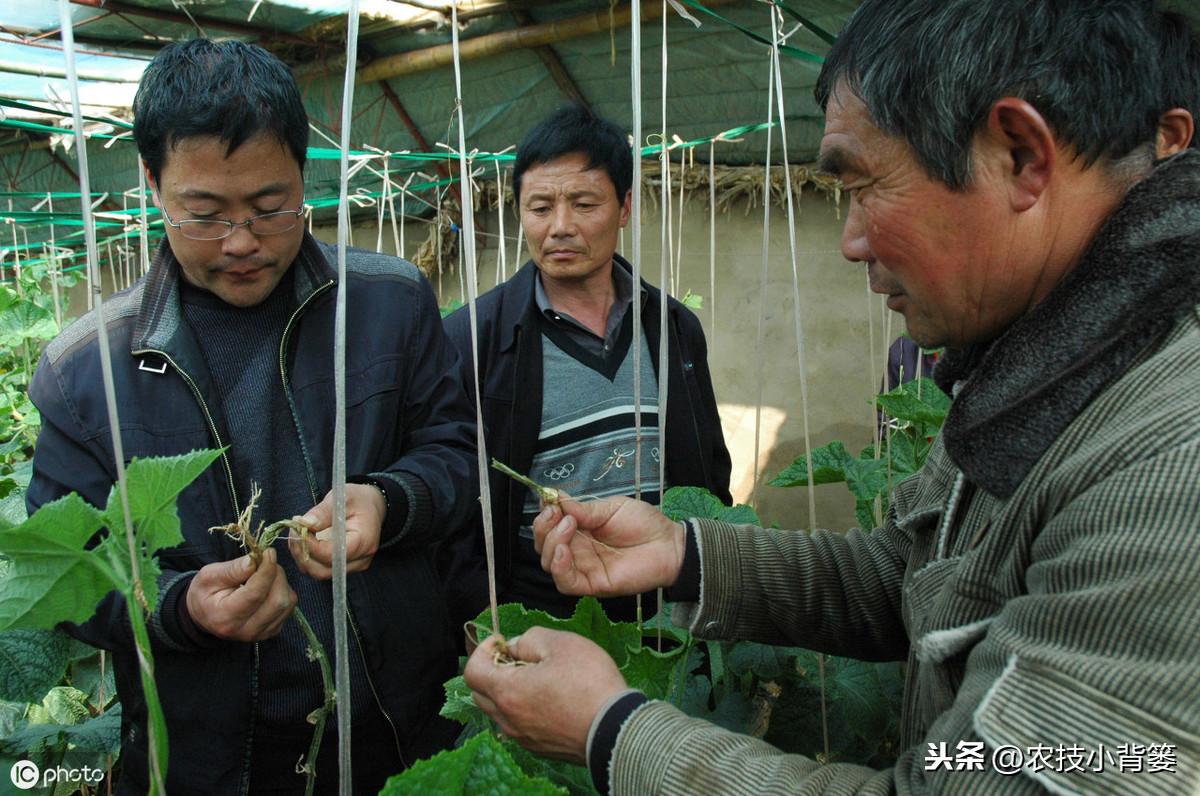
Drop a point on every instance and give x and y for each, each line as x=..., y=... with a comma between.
x=255, y=542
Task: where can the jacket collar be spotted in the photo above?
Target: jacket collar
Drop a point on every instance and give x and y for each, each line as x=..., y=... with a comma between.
x=514, y=314
x=160, y=323
x=1138, y=278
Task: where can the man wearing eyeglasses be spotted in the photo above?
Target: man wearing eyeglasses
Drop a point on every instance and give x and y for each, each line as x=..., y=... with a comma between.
x=228, y=343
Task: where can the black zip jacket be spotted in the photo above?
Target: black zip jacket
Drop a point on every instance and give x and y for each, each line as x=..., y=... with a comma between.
x=510, y=359
x=409, y=427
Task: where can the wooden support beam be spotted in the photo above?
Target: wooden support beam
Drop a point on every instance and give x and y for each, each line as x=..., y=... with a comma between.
x=553, y=63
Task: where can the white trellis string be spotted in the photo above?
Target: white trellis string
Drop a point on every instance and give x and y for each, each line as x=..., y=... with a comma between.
x=635, y=69
x=485, y=491
x=341, y=646
x=144, y=230
x=501, y=260
x=712, y=243
x=403, y=196
x=791, y=226
x=17, y=261
x=54, y=266
x=762, y=286
x=157, y=766
x=664, y=332
x=384, y=192
x=872, y=383
x=678, y=272
x=520, y=241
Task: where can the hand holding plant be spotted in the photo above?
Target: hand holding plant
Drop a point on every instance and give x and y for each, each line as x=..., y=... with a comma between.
x=606, y=548
x=240, y=601
x=365, y=513
x=547, y=706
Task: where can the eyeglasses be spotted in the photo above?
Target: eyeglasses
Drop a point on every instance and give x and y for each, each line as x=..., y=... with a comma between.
x=218, y=229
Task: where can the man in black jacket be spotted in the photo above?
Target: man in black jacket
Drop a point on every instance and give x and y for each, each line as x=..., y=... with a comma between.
x=228, y=341
x=564, y=319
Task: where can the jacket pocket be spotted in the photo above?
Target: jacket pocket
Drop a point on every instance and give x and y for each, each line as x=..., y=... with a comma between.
x=1033, y=706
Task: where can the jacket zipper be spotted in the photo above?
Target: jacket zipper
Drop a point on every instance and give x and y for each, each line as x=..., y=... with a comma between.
x=244, y=779
x=312, y=490
x=212, y=426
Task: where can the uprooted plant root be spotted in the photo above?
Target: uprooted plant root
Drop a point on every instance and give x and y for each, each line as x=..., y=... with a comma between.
x=255, y=542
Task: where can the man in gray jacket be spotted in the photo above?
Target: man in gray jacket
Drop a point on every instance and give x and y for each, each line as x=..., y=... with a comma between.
x=1041, y=574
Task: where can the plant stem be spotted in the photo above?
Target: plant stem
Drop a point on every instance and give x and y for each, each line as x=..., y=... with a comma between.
x=318, y=716
x=156, y=721
x=545, y=493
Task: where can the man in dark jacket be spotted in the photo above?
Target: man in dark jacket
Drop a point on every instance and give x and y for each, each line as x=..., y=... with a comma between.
x=564, y=319
x=228, y=342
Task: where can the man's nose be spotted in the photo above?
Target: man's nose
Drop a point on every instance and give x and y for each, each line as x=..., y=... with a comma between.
x=854, y=235
x=562, y=222
x=242, y=243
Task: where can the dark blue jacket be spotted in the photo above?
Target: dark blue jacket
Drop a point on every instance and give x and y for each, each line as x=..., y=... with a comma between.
x=510, y=359
x=408, y=423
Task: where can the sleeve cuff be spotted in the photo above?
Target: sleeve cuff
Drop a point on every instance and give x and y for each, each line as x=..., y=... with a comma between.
x=395, y=521
x=686, y=588
x=602, y=737
x=177, y=623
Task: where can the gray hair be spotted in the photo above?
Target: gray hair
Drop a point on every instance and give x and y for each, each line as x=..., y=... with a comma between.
x=929, y=72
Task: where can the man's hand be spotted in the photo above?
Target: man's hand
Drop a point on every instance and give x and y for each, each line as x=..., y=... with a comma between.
x=365, y=510
x=234, y=601
x=610, y=547
x=548, y=705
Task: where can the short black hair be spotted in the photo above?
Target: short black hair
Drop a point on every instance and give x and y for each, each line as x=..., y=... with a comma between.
x=1181, y=68
x=929, y=72
x=228, y=89
x=574, y=128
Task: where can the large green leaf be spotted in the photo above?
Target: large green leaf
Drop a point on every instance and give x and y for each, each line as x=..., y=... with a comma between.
x=50, y=576
x=576, y=779
x=22, y=321
x=828, y=464
x=461, y=707
x=688, y=502
x=96, y=680
x=154, y=484
x=101, y=734
x=764, y=661
x=31, y=663
x=588, y=621
x=480, y=766
x=903, y=454
x=919, y=401
x=654, y=673
x=866, y=478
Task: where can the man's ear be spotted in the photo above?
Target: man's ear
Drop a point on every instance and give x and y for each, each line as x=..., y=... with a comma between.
x=1175, y=130
x=1026, y=146
x=627, y=207
x=152, y=184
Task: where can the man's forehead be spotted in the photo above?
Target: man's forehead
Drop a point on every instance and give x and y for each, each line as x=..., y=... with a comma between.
x=569, y=172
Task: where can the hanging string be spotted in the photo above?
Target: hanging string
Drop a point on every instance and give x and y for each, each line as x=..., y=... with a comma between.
x=635, y=69
x=501, y=260
x=712, y=245
x=762, y=286
x=55, y=273
x=157, y=765
x=677, y=281
x=403, y=196
x=340, y=639
x=384, y=195
x=485, y=491
x=873, y=384
x=664, y=331
x=791, y=227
